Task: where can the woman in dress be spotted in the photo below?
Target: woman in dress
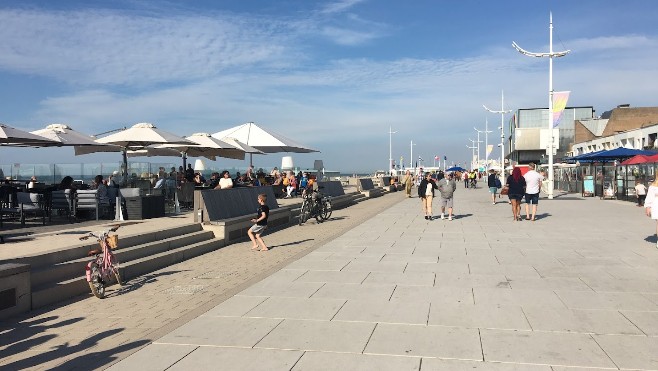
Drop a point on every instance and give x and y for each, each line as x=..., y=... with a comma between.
x=516, y=190
x=651, y=204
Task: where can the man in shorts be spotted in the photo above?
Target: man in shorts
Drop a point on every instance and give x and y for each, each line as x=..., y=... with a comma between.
x=533, y=185
x=447, y=187
x=260, y=225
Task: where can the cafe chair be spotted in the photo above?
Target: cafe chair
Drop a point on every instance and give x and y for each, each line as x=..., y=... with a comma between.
x=61, y=202
x=26, y=204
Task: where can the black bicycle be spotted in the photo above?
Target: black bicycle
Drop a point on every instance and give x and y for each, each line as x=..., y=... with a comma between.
x=314, y=205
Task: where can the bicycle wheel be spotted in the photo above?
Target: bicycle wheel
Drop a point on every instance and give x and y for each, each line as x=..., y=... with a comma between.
x=326, y=209
x=317, y=211
x=96, y=284
x=115, y=271
x=304, y=213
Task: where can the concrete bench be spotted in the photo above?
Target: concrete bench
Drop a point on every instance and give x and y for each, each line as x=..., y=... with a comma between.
x=228, y=212
x=335, y=189
x=367, y=188
x=15, y=289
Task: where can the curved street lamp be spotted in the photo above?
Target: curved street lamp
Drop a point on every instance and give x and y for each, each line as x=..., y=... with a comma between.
x=551, y=54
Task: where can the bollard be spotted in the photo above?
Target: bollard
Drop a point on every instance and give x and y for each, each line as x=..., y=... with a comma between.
x=118, y=214
x=176, y=204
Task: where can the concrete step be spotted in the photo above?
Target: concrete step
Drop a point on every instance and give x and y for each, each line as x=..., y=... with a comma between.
x=50, y=258
x=65, y=270
x=138, y=267
x=67, y=279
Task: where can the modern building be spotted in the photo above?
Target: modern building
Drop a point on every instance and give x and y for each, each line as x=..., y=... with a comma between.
x=529, y=135
x=624, y=126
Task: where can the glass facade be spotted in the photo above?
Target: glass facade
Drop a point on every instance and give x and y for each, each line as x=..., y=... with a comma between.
x=538, y=118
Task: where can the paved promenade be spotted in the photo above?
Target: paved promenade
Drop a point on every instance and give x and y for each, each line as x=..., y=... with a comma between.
x=379, y=287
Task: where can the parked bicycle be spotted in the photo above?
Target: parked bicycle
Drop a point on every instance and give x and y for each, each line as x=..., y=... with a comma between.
x=315, y=205
x=104, y=267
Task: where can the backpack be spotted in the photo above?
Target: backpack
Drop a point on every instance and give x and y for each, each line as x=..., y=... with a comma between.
x=498, y=185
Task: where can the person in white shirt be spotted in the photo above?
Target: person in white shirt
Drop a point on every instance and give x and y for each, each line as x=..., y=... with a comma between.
x=651, y=204
x=640, y=192
x=225, y=182
x=533, y=185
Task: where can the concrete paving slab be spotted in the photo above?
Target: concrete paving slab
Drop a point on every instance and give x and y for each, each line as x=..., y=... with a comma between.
x=410, y=258
x=630, y=352
x=435, y=364
x=407, y=278
x=348, y=291
x=437, y=295
x=236, y=306
x=297, y=308
x=543, y=348
x=319, y=265
x=333, y=277
x=277, y=288
x=449, y=268
x=323, y=336
x=497, y=281
x=645, y=321
x=487, y=296
x=514, y=270
x=478, y=316
x=155, y=357
x=549, y=283
x=312, y=361
x=425, y=341
x=205, y=358
x=581, y=321
x=221, y=331
x=604, y=284
x=386, y=267
x=606, y=300
x=383, y=312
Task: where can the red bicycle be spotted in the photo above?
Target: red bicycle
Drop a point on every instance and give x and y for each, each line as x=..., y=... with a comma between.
x=104, y=267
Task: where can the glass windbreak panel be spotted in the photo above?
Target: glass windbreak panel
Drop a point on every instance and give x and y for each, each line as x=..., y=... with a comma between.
x=89, y=172
x=72, y=170
x=5, y=171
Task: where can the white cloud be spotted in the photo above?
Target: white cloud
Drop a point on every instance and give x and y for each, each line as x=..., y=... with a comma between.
x=339, y=6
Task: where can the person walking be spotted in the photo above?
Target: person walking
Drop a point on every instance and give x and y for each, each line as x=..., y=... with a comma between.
x=408, y=181
x=465, y=178
x=640, y=192
x=493, y=183
x=533, y=185
x=447, y=187
x=516, y=189
x=651, y=204
x=426, y=194
x=260, y=224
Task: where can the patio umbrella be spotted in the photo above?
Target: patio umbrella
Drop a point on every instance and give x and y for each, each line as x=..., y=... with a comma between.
x=456, y=168
x=205, y=145
x=18, y=138
x=635, y=160
x=66, y=136
x=140, y=136
x=266, y=141
x=242, y=146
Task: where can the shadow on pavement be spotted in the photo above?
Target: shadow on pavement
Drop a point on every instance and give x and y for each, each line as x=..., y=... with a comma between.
x=138, y=282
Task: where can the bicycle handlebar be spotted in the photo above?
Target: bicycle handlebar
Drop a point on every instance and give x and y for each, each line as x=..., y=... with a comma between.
x=98, y=235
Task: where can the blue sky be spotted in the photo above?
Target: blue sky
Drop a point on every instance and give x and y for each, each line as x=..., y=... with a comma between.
x=330, y=74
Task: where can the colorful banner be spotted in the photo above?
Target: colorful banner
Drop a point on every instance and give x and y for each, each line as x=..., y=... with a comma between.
x=489, y=150
x=560, y=99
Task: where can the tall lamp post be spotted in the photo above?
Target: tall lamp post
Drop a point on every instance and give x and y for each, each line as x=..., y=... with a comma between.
x=551, y=54
x=472, y=147
x=390, y=150
x=502, y=127
x=478, y=146
x=411, y=156
x=486, y=141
